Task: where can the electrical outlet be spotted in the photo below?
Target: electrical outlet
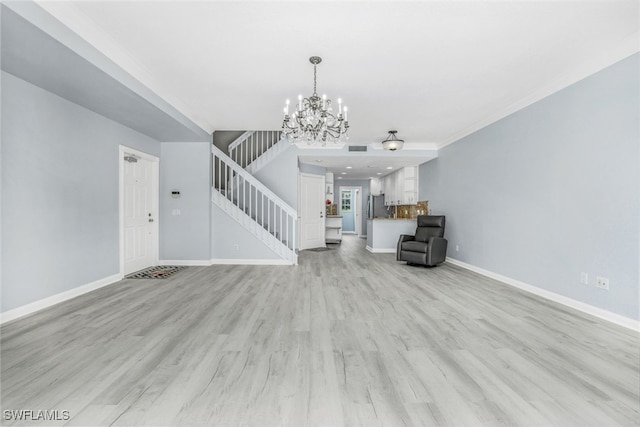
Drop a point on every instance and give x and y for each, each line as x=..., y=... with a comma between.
x=584, y=278
x=236, y=247
x=602, y=283
x=457, y=248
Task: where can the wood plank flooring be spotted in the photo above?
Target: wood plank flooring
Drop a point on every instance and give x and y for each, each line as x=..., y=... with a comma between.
x=347, y=338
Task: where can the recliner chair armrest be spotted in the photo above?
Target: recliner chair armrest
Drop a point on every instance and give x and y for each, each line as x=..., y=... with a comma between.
x=403, y=238
x=437, y=252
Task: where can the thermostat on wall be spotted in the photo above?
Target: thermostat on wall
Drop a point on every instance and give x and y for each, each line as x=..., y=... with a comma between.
x=175, y=194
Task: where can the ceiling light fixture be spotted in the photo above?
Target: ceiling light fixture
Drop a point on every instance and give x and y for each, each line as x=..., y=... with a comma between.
x=392, y=143
x=313, y=121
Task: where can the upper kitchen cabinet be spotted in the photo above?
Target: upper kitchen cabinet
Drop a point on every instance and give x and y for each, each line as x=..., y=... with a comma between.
x=376, y=186
x=410, y=185
x=401, y=187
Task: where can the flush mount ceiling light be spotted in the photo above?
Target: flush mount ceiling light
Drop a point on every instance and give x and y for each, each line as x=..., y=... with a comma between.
x=313, y=122
x=392, y=143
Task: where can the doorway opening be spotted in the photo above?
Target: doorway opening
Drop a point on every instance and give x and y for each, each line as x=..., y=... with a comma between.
x=350, y=205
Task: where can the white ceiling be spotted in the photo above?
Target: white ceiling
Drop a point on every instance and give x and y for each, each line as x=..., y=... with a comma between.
x=433, y=70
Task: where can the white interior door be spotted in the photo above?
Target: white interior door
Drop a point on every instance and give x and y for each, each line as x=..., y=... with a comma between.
x=312, y=210
x=139, y=213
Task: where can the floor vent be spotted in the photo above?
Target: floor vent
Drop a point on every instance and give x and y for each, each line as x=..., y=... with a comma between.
x=357, y=148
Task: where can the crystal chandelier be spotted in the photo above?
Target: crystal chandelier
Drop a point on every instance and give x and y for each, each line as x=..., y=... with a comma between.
x=313, y=122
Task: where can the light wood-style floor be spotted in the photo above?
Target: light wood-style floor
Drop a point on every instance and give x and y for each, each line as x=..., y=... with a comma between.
x=345, y=338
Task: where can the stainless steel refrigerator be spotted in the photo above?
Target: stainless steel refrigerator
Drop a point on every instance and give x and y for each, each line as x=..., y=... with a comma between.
x=376, y=207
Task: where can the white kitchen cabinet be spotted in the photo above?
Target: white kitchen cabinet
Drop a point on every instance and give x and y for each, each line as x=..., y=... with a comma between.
x=375, y=186
x=410, y=185
x=390, y=190
x=333, y=229
x=401, y=187
x=398, y=182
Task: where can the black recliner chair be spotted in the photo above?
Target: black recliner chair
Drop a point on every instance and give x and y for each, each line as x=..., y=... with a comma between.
x=428, y=246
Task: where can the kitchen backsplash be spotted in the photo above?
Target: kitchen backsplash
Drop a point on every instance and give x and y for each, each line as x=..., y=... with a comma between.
x=412, y=211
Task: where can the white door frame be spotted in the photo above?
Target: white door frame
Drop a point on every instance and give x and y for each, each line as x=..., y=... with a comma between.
x=155, y=202
x=358, y=207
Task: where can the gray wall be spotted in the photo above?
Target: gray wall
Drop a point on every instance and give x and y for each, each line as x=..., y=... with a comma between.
x=223, y=138
x=59, y=193
x=281, y=176
x=229, y=240
x=551, y=191
x=364, y=183
x=185, y=167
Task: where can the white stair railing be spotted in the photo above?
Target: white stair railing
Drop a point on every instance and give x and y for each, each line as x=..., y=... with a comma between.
x=253, y=144
x=254, y=206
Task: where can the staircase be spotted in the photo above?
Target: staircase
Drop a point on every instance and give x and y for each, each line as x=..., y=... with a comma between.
x=238, y=193
x=255, y=149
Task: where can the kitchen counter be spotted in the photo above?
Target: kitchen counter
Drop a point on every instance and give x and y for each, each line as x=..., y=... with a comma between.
x=383, y=233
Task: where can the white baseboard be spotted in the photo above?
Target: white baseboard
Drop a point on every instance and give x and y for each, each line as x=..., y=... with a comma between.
x=250, y=261
x=185, y=262
x=206, y=263
x=561, y=299
x=381, y=250
x=30, y=308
